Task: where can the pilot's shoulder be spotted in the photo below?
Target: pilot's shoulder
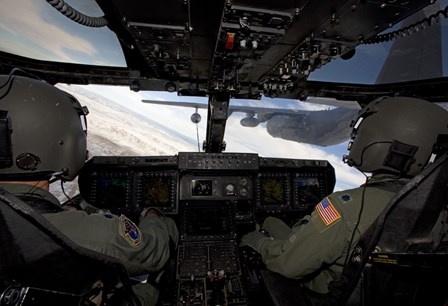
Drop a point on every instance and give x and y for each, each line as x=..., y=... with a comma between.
x=345, y=200
x=348, y=202
x=341, y=206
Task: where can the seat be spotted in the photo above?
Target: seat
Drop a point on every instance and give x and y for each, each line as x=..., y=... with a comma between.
x=400, y=260
x=40, y=266
x=410, y=262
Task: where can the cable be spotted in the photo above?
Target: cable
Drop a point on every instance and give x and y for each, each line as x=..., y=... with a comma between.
x=76, y=16
x=299, y=8
x=63, y=191
x=33, y=188
x=358, y=221
x=197, y=136
x=14, y=72
x=9, y=79
x=351, y=164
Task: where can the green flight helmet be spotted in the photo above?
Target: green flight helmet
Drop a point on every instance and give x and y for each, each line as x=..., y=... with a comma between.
x=396, y=134
x=43, y=131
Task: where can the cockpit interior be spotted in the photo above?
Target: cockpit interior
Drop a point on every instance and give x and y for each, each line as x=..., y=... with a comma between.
x=240, y=57
x=215, y=198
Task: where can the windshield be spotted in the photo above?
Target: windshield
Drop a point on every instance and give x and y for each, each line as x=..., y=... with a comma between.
x=415, y=55
x=121, y=124
x=36, y=30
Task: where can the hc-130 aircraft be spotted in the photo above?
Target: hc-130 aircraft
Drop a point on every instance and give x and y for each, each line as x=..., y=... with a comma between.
x=243, y=56
x=323, y=127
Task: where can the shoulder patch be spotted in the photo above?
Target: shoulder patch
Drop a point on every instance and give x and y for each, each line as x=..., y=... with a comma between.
x=129, y=231
x=345, y=198
x=327, y=212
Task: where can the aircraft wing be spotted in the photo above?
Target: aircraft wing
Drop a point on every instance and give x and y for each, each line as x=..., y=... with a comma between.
x=177, y=103
x=265, y=111
x=332, y=102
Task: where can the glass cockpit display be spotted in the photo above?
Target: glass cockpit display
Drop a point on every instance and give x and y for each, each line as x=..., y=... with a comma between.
x=273, y=191
x=111, y=191
x=210, y=221
x=217, y=187
x=129, y=185
x=156, y=191
x=308, y=190
x=201, y=187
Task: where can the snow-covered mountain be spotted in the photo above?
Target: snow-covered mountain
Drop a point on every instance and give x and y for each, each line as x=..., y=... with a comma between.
x=116, y=130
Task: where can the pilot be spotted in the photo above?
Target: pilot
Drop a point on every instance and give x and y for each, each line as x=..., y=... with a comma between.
x=393, y=139
x=44, y=135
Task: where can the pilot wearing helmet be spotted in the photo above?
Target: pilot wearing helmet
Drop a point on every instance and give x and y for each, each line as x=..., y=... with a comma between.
x=393, y=139
x=44, y=137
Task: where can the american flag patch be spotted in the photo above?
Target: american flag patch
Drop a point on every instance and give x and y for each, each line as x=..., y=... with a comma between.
x=327, y=212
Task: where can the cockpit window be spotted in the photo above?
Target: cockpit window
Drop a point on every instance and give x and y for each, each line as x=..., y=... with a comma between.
x=416, y=54
x=121, y=124
x=36, y=30
x=315, y=129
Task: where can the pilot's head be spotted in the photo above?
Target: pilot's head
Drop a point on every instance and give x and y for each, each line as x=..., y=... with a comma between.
x=397, y=135
x=42, y=131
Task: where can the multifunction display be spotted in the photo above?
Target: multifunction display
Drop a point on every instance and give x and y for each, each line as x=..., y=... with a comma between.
x=131, y=184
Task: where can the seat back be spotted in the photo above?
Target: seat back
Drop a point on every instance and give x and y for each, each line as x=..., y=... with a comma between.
x=406, y=262
x=34, y=254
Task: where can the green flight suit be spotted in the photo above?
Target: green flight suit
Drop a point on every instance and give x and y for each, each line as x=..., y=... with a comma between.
x=141, y=249
x=319, y=243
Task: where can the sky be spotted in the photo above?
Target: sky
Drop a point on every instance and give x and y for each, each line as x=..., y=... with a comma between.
x=238, y=138
x=25, y=30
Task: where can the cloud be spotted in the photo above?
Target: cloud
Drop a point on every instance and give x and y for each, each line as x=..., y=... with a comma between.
x=37, y=30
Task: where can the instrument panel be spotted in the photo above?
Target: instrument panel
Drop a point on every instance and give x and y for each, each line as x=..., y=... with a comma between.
x=214, y=198
x=130, y=184
x=215, y=187
x=127, y=185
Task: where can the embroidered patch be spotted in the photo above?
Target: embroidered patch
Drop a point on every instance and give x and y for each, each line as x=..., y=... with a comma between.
x=346, y=198
x=327, y=212
x=129, y=231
